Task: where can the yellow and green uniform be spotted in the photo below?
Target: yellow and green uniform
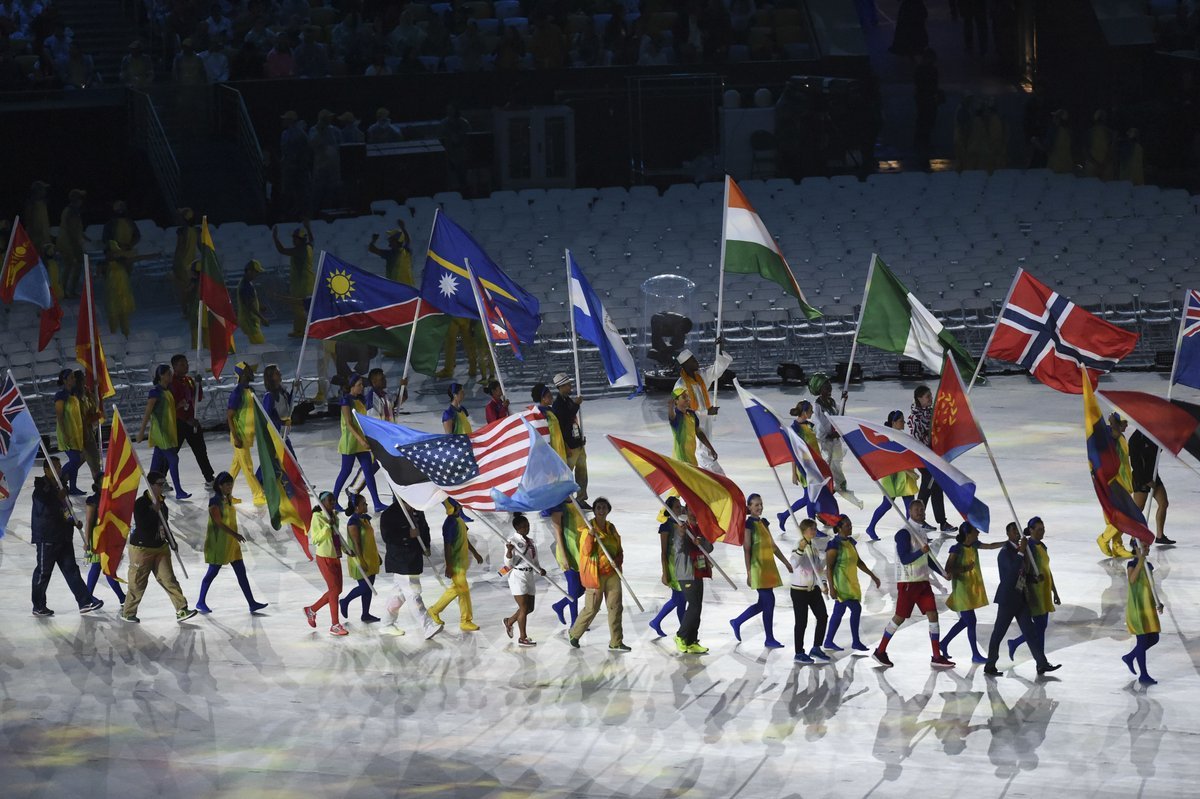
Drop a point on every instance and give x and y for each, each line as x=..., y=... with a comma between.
x=1141, y=613
x=398, y=264
x=462, y=425
x=454, y=537
x=301, y=280
x=763, y=571
x=181, y=265
x=349, y=444
x=366, y=564
x=966, y=591
x=70, y=430
x=119, y=248
x=163, y=434
x=241, y=402
x=592, y=562
x=683, y=431
x=55, y=276
x=249, y=312
x=220, y=548
x=323, y=535
x=900, y=484
x=1041, y=597
x=458, y=555
x=845, y=569
x=557, y=442
x=573, y=528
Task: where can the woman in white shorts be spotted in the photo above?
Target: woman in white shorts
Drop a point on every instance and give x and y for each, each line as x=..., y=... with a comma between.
x=520, y=556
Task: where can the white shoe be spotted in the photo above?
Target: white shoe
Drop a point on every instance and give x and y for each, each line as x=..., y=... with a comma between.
x=393, y=630
x=429, y=633
x=849, y=496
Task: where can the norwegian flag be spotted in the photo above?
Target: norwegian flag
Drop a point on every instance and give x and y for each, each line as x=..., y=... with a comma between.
x=1052, y=337
x=465, y=467
x=1187, y=356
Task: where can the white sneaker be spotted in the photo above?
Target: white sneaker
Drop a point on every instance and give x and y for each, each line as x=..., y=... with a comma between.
x=393, y=630
x=429, y=633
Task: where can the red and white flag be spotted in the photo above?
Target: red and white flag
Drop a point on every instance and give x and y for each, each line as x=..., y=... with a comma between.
x=954, y=429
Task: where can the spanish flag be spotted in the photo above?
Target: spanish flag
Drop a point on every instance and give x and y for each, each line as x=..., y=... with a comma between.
x=1104, y=457
x=717, y=503
x=282, y=481
x=88, y=349
x=118, y=492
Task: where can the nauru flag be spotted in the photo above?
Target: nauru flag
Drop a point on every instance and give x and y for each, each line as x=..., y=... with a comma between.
x=750, y=250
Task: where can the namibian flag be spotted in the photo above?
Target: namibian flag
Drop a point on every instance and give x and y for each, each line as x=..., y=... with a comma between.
x=717, y=503
x=283, y=483
x=1105, y=459
x=883, y=451
x=214, y=296
x=750, y=250
x=118, y=492
x=352, y=304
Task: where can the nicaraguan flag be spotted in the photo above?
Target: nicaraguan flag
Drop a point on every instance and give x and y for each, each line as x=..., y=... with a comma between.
x=595, y=325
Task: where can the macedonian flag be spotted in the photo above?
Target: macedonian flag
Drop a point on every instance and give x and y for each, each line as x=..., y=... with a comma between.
x=118, y=492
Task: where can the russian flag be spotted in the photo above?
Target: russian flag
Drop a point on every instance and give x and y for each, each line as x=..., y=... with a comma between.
x=883, y=451
x=594, y=324
x=767, y=428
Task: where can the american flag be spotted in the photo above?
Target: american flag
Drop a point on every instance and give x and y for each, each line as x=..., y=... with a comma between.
x=465, y=467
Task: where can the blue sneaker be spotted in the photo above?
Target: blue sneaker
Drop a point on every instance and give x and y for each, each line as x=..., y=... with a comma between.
x=802, y=658
x=818, y=654
x=783, y=517
x=832, y=647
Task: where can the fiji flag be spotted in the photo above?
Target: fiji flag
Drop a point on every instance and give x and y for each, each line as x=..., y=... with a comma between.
x=446, y=284
x=1187, y=358
x=595, y=325
x=883, y=451
x=18, y=446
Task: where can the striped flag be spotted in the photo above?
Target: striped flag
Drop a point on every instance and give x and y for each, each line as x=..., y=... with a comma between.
x=466, y=467
x=118, y=492
x=283, y=484
x=750, y=250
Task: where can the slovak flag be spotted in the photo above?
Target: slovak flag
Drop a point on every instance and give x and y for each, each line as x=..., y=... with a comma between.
x=883, y=451
x=23, y=276
x=1052, y=337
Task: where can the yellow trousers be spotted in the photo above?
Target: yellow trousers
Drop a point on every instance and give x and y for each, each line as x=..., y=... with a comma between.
x=459, y=328
x=459, y=590
x=243, y=463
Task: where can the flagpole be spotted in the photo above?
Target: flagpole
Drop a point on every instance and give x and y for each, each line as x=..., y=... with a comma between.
x=677, y=520
x=549, y=579
x=42, y=446
x=93, y=336
x=412, y=333
x=918, y=540
x=604, y=549
x=992, y=335
x=1170, y=387
x=787, y=503
x=857, y=325
x=574, y=341
x=483, y=320
x=308, y=323
x=721, y=286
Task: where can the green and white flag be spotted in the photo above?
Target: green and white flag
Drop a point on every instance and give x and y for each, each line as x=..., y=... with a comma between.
x=749, y=249
x=893, y=320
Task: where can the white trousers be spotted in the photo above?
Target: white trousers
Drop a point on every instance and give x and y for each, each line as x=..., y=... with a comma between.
x=406, y=588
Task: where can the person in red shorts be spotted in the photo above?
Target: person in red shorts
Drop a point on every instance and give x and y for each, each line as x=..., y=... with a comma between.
x=912, y=584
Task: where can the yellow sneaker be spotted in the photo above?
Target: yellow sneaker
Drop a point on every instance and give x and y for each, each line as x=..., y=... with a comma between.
x=1105, y=545
x=467, y=626
x=1119, y=550
x=436, y=618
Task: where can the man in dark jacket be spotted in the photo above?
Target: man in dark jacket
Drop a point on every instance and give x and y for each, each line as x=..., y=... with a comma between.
x=150, y=552
x=406, y=539
x=53, y=527
x=566, y=408
x=1012, y=603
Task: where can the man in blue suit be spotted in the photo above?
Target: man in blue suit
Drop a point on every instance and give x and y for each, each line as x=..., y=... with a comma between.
x=1011, y=602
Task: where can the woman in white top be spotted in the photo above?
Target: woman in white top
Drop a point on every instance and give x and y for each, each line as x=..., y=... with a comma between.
x=806, y=594
x=520, y=556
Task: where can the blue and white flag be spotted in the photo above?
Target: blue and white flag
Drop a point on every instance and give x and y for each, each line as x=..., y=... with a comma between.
x=595, y=325
x=18, y=446
x=546, y=483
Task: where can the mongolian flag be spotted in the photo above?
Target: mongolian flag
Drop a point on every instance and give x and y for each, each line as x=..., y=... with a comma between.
x=955, y=429
x=23, y=276
x=717, y=503
x=214, y=296
x=118, y=492
x=283, y=484
x=89, y=351
x=1105, y=459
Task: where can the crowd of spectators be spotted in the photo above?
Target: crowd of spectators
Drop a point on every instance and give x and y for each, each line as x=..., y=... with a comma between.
x=38, y=50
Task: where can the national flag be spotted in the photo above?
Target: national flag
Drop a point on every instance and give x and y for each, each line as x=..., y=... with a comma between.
x=466, y=467
x=547, y=482
x=496, y=324
x=1104, y=457
x=445, y=284
x=118, y=492
x=593, y=323
x=214, y=296
x=814, y=475
x=1187, y=356
x=767, y=428
x=955, y=429
x=18, y=446
x=750, y=250
x=282, y=481
x=1051, y=337
x=351, y=304
x=1170, y=424
x=883, y=451
x=893, y=320
x=87, y=336
x=716, y=501
x=406, y=481
x=23, y=276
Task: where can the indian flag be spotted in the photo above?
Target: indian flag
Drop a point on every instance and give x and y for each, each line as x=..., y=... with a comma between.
x=893, y=320
x=282, y=481
x=749, y=249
